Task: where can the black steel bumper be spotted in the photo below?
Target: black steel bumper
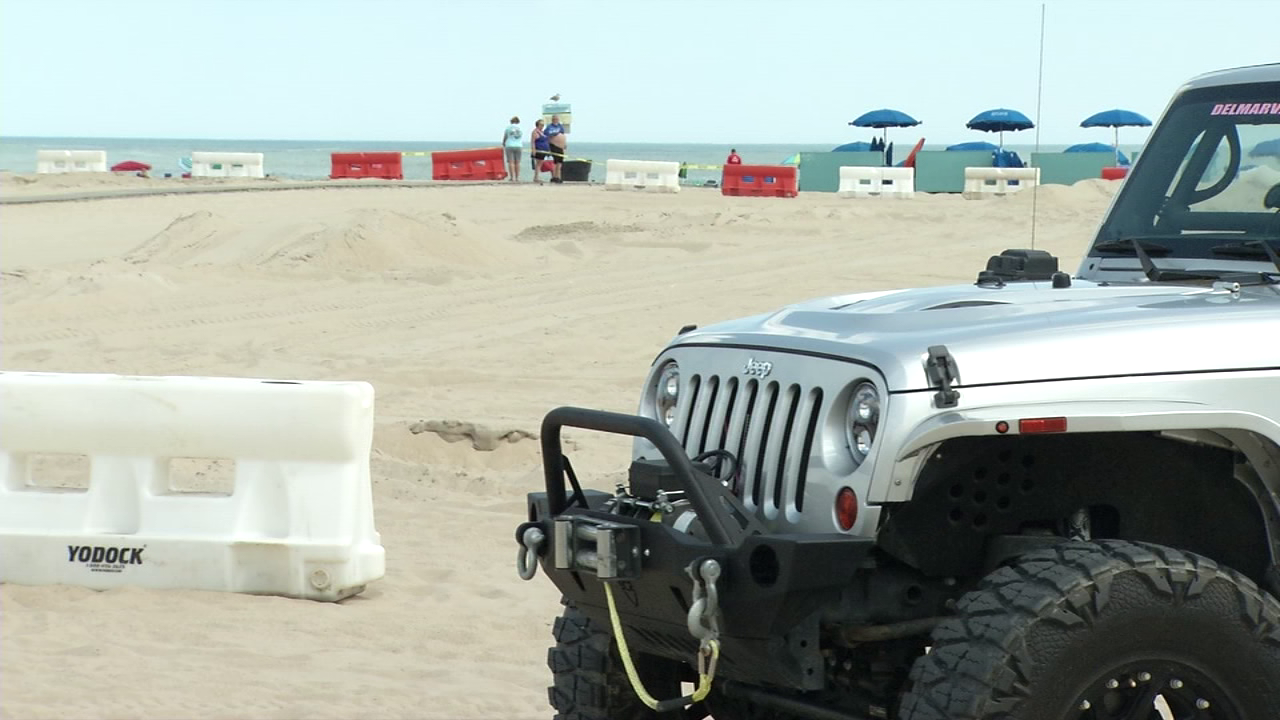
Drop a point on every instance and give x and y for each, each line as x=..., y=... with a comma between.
x=771, y=588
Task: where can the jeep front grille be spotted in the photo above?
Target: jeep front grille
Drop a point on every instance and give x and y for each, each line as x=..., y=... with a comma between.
x=769, y=426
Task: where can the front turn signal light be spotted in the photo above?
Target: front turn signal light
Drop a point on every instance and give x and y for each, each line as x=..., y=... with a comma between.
x=846, y=508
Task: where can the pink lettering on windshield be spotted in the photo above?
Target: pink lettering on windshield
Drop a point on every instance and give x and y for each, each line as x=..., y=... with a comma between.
x=1246, y=109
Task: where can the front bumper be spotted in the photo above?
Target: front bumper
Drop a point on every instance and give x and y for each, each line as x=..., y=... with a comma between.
x=771, y=589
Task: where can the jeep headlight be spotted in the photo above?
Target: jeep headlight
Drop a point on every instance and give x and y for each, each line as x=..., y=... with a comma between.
x=863, y=420
x=666, y=393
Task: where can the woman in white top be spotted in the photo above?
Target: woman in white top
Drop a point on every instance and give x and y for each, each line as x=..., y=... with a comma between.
x=511, y=144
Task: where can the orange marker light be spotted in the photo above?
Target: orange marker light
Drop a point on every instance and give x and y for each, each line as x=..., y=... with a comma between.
x=1029, y=426
x=846, y=508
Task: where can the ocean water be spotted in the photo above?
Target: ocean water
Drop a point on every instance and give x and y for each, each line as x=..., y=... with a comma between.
x=308, y=159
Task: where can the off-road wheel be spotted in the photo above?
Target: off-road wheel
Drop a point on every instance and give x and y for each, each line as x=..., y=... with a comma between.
x=1104, y=631
x=591, y=682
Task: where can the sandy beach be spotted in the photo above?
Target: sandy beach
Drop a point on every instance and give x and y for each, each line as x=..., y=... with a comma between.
x=472, y=311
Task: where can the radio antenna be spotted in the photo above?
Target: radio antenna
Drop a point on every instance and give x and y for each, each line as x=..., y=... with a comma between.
x=1035, y=189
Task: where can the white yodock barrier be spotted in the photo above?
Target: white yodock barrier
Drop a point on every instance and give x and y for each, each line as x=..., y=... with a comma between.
x=654, y=175
x=226, y=164
x=887, y=182
x=67, y=161
x=297, y=522
x=982, y=182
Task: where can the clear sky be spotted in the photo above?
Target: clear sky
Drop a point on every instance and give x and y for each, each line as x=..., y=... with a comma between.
x=722, y=71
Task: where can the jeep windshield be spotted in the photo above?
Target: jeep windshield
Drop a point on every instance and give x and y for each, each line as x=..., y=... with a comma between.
x=1207, y=186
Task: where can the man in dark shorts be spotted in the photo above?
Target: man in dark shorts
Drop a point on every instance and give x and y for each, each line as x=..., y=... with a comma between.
x=559, y=146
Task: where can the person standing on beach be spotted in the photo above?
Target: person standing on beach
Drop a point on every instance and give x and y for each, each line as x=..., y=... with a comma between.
x=559, y=145
x=511, y=145
x=733, y=158
x=541, y=150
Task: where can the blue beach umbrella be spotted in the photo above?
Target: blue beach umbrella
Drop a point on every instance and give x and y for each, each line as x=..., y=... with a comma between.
x=974, y=146
x=1115, y=119
x=858, y=146
x=884, y=118
x=1098, y=147
x=1000, y=120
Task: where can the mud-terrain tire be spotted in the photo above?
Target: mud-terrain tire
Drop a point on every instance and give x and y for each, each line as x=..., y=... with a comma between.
x=1111, y=624
x=590, y=682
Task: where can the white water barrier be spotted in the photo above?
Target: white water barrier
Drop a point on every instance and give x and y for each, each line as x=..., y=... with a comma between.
x=68, y=161
x=888, y=182
x=654, y=175
x=90, y=492
x=226, y=164
x=982, y=182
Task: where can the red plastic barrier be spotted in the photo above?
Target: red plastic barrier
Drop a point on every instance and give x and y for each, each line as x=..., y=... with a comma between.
x=482, y=164
x=385, y=165
x=1114, y=173
x=759, y=180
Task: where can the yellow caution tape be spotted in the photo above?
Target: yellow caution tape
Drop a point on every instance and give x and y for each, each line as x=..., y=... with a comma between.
x=544, y=152
x=552, y=153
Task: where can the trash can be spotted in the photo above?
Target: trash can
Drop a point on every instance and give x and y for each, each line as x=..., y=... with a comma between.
x=575, y=170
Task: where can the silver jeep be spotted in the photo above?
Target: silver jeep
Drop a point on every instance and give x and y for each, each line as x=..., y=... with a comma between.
x=1038, y=496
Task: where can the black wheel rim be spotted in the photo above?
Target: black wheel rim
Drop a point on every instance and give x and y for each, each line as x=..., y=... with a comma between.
x=1155, y=690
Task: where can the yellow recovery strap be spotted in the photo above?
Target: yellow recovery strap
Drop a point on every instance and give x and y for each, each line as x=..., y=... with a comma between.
x=705, y=671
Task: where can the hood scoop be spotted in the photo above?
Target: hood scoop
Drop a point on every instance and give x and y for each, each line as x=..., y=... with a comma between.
x=965, y=304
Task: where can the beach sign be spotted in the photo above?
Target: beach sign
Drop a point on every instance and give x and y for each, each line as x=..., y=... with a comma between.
x=564, y=110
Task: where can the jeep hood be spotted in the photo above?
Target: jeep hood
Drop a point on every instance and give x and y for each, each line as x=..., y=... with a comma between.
x=1024, y=331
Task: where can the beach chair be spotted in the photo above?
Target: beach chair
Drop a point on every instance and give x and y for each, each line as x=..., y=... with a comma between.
x=911, y=156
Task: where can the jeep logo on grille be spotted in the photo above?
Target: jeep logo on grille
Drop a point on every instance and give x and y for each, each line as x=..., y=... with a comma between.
x=758, y=369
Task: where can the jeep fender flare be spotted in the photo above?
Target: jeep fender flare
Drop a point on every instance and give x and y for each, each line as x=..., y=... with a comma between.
x=1254, y=436
x=897, y=482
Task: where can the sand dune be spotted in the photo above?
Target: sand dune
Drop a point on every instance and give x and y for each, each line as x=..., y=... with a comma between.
x=472, y=310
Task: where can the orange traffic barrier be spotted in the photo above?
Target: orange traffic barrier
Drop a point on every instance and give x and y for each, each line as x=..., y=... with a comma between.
x=385, y=165
x=482, y=164
x=759, y=180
